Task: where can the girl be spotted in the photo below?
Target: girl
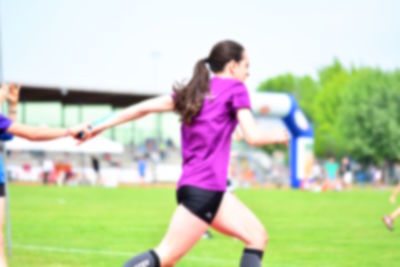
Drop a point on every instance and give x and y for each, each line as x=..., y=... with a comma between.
x=12, y=96
x=7, y=127
x=210, y=111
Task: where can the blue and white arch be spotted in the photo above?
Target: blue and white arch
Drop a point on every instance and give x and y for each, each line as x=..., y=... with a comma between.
x=284, y=106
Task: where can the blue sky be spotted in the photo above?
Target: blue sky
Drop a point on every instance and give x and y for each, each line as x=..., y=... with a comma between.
x=145, y=46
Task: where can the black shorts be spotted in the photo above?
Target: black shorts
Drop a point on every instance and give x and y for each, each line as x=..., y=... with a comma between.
x=2, y=190
x=203, y=203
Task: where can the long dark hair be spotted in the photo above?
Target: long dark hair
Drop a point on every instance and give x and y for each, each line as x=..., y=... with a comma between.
x=189, y=97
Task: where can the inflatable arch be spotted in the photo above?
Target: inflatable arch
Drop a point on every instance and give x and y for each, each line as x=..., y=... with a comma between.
x=284, y=106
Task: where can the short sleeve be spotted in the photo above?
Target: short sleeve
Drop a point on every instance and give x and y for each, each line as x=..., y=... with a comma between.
x=4, y=123
x=4, y=136
x=240, y=98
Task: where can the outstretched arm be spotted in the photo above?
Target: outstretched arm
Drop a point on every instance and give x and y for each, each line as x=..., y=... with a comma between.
x=254, y=136
x=134, y=112
x=11, y=93
x=38, y=133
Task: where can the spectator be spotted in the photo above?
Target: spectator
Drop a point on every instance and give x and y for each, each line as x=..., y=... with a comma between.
x=96, y=168
x=48, y=168
x=376, y=174
x=331, y=168
x=142, y=164
x=346, y=172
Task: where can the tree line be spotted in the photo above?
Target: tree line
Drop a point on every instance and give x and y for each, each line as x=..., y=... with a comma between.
x=354, y=111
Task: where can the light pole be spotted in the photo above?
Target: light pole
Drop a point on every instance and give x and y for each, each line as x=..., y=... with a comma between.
x=155, y=55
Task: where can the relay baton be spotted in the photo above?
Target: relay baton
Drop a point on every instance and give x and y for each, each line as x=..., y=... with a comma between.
x=97, y=122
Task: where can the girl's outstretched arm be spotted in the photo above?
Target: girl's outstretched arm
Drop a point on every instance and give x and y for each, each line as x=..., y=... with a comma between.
x=9, y=126
x=254, y=136
x=37, y=133
x=134, y=112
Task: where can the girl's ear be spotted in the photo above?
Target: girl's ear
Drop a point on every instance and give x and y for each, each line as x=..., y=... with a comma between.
x=230, y=66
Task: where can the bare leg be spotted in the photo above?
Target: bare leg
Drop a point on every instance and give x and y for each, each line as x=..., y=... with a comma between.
x=395, y=193
x=235, y=219
x=395, y=214
x=184, y=230
x=388, y=220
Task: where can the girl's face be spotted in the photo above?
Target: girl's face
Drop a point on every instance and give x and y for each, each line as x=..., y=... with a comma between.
x=240, y=70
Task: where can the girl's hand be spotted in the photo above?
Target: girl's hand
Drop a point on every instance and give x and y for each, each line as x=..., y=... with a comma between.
x=13, y=94
x=89, y=134
x=84, y=132
x=79, y=131
x=3, y=92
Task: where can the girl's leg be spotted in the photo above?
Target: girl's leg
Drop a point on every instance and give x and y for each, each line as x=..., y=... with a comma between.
x=3, y=261
x=235, y=219
x=388, y=220
x=395, y=214
x=184, y=231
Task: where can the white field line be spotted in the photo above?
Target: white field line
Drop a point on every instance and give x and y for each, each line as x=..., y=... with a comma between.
x=85, y=251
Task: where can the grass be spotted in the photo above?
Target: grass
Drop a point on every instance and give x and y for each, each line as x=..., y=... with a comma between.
x=60, y=227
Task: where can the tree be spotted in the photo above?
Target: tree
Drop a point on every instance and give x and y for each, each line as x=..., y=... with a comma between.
x=328, y=136
x=369, y=116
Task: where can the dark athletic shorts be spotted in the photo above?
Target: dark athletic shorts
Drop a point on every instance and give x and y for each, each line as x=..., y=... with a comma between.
x=2, y=190
x=203, y=203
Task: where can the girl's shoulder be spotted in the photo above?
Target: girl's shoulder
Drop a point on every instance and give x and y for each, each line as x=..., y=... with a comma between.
x=228, y=85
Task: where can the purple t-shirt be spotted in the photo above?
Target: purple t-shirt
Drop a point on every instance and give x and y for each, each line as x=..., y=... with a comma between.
x=206, y=142
x=4, y=123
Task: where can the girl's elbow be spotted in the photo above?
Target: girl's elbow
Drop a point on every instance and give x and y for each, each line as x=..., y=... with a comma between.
x=32, y=136
x=252, y=141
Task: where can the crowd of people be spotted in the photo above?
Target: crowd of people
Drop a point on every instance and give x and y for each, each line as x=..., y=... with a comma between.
x=332, y=175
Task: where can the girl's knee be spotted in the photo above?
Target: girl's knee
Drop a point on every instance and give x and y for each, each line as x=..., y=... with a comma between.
x=257, y=239
x=264, y=238
x=261, y=239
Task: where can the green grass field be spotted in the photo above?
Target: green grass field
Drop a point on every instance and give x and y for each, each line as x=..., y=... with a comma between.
x=54, y=227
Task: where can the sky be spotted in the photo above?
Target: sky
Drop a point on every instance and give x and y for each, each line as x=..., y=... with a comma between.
x=147, y=46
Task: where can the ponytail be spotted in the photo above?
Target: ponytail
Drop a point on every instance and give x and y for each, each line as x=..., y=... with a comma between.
x=189, y=98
